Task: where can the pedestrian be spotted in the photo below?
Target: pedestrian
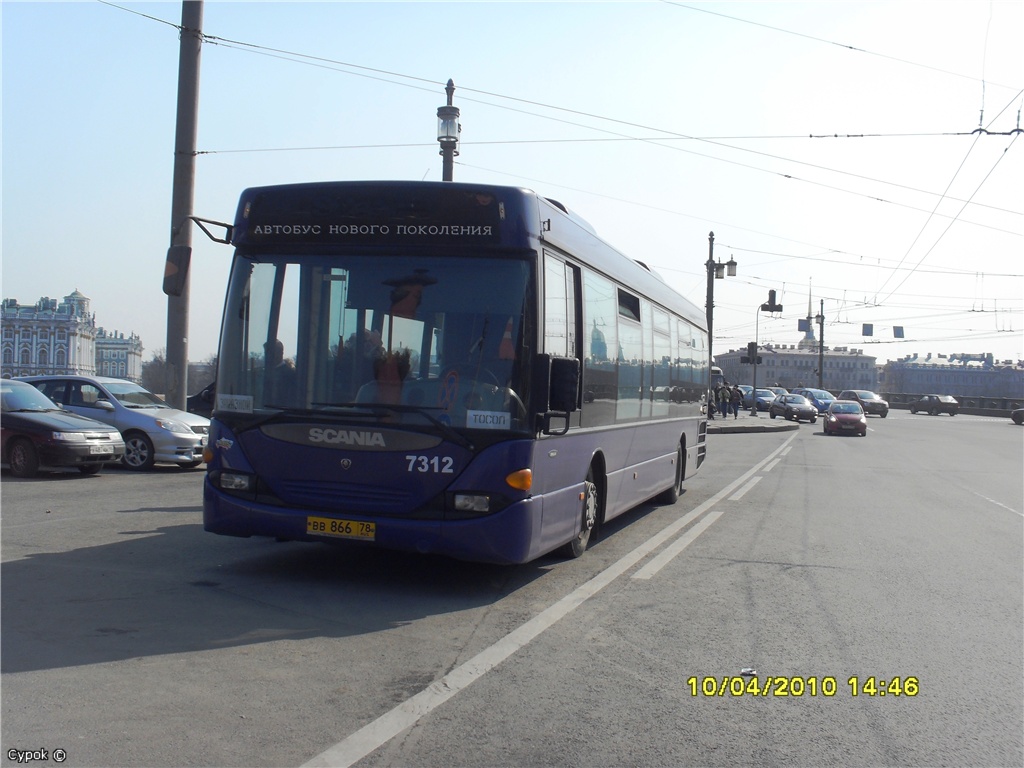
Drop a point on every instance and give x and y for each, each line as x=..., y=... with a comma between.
x=735, y=398
x=723, y=399
x=712, y=403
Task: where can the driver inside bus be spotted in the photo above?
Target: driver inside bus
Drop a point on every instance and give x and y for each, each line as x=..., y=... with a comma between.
x=279, y=386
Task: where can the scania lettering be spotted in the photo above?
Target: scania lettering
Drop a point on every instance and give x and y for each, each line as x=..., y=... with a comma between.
x=317, y=435
x=459, y=369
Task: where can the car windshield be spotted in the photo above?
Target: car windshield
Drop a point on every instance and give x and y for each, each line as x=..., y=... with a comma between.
x=24, y=397
x=765, y=393
x=133, y=396
x=947, y=399
x=864, y=395
x=797, y=400
x=845, y=408
x=820, y=394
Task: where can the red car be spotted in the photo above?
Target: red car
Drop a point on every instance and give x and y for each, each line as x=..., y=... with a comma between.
x=845, y=417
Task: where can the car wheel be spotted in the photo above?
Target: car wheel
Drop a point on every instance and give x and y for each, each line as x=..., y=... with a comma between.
x=89, y=469
x=883, y=414
x=588, y=518
x=771, y=414
x=934, y=411
x=138, y=451
x=23, y=458
x=1017, y=419
x=913, y=410
x=812, y=419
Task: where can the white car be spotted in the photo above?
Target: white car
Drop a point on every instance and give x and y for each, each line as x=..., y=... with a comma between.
x=153, y=431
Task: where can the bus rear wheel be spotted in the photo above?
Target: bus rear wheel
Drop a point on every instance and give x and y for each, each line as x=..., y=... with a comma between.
x=588, y=520
x=671, y=495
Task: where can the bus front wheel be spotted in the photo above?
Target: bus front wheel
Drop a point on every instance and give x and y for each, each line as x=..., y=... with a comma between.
x=588, y=518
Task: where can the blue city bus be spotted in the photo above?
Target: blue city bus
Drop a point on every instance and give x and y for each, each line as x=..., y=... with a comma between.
x=448, y=368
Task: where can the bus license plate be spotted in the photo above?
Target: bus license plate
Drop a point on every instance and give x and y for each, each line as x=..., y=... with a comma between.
x=344, y=529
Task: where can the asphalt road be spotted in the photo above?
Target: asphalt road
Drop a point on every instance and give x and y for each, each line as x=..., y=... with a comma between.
x=132, y=638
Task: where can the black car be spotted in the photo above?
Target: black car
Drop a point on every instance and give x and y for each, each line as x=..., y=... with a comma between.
x=869, y=401
x=794, y=407
x=36, y=432
x=936, y=404
x=1018, y=416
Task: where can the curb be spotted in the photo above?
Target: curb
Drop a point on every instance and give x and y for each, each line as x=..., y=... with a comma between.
x=735, y=429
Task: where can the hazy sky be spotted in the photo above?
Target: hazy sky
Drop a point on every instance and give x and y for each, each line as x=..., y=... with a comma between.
x=831, y=147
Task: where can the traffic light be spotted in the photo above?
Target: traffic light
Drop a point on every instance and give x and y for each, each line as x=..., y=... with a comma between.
x=751, y=354
x=770, y=305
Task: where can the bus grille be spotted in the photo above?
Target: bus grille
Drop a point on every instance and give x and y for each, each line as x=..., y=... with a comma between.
x=345, y=496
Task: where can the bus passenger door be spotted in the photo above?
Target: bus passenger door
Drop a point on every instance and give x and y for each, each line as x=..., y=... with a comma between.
x=560, y=470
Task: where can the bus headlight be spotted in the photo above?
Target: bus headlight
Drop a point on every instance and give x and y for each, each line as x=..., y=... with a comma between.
x=236, y=481
x=471, y=502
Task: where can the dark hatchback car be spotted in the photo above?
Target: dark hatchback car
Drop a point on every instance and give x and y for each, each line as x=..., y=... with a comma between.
x=796, y=407
x=869, y=401
x=36, y=432
x=936, y=404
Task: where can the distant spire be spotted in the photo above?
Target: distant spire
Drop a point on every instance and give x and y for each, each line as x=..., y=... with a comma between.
x=808, y=341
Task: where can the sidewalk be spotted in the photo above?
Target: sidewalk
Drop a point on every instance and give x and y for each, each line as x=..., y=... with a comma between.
x=730, y=425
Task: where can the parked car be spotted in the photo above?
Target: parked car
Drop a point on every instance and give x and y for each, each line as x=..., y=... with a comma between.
x=778, y=390
x=845, y=417
x=1018, y=416
x=936, y=404
x=796, y=407
x=869, y=401
x=763, y=398
x=201, y=403
x=153, y=431
x=35, y=432
x=819, y=398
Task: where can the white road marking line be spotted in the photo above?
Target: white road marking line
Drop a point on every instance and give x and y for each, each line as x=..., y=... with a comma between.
x=750, y=484
x=373, y=735
x=999, y=504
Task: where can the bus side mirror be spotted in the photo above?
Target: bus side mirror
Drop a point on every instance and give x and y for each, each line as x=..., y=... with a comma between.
x=565, y=384
x=176, y=269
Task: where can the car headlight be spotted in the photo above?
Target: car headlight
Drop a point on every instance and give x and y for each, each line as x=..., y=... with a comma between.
x=70, y=437
x=172, y=426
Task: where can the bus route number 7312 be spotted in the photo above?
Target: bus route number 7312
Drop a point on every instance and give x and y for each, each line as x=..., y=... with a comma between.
x=439, y=464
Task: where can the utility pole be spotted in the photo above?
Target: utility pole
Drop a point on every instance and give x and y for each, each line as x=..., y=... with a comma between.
x=821, y=345
x=182, y=195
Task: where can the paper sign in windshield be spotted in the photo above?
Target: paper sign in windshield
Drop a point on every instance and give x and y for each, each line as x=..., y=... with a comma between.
x=488, y=420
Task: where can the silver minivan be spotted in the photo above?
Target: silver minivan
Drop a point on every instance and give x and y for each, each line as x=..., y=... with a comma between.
x=153, y=431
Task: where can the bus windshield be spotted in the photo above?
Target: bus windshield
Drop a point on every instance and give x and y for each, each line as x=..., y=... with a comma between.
x=379, y=337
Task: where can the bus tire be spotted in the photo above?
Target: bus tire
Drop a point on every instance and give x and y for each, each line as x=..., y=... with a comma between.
x=589, y=516
x=671, y=495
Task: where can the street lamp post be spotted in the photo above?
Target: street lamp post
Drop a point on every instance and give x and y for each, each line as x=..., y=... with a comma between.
x=716, y=271
x=820, y=320
x=448, y=130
